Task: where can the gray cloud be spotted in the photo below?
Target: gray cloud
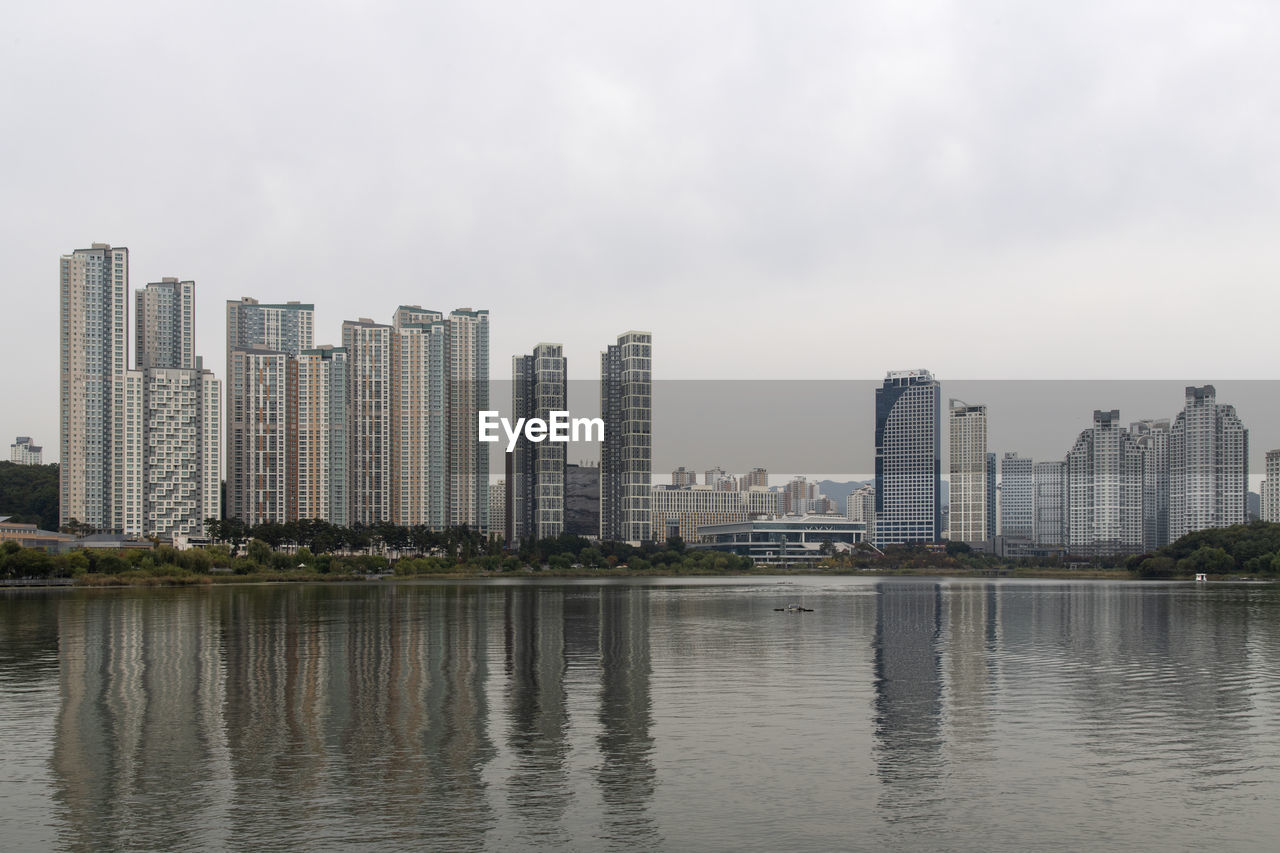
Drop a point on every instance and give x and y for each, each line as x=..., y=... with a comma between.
x=987, y=189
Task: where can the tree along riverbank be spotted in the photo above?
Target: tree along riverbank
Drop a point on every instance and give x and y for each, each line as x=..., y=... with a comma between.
x=1236, y=553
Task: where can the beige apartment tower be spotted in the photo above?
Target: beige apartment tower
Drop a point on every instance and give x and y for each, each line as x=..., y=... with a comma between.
x=418, y=436
x=261, y=340
x=968, y=471
x=369, y=400
x=93, y=361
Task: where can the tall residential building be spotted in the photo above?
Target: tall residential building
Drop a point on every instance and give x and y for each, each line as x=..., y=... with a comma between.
x=861, y=506
x=626, y=464
x=174, y=441
x=717, y=478
x=908, y=458
x=369, y=400
x=1050, y=503
x=538, y=388
x=1017, y=497
x=497, y=510
x=1208, y=465
x=993, y=519
x=319, y=392
x=968, y=472
x=287, y=327
x=1152, y=437
x=23, y=452
x=1104, y=489
x=467, y=458
x=259, y=468
x=683, y=478
x=93, y=360
x=164, y=319
x=175, y=461
x=756, y=477
x=261, y=338
x=420, y=343
x=1271, y=488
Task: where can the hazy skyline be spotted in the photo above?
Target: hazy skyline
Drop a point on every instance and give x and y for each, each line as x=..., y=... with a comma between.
x=991, y=190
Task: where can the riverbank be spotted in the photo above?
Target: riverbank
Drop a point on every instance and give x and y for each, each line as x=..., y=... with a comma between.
x=194, y=579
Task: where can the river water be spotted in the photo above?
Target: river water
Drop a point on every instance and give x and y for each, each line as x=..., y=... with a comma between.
x=642, y=715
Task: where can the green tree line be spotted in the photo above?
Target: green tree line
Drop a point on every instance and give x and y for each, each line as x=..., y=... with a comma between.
x=1252, y=548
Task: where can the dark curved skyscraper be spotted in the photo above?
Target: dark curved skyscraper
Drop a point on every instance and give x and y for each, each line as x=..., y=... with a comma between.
x=908, y=458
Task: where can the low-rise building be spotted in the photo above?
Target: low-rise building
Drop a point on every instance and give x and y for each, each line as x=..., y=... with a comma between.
x=30, y=536
x=793, y=540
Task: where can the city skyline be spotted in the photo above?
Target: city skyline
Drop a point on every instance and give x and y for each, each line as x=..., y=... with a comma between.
x=1004, y=426
x=146, y=440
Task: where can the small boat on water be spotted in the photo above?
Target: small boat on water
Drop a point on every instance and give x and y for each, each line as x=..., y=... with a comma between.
x=793, y=608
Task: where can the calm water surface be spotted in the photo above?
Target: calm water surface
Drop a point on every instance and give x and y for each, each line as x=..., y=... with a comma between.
x=642, y=715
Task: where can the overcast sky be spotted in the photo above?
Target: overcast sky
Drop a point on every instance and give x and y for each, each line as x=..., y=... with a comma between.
x=775, y=190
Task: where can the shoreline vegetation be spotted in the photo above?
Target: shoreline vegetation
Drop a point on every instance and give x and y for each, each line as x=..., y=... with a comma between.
x=187, y=579
x=313, y=552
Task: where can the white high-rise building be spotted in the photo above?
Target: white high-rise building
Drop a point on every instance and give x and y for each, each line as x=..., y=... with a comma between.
x=93, y=360
x=173, y=418
x=1271, y=488
x=1208, y=465
x=1152, y=438
x=626, y=464
x=173, y=449
x=968, y=472
x=861, y=506
x=908, y=458
x=1104, y=489
x=165, y=317
x=23, y=452
x=1050, y=503
x=1017, y=497
x=538, y=468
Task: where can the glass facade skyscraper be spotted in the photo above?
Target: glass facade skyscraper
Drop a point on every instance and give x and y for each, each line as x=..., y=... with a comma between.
x=908, y=458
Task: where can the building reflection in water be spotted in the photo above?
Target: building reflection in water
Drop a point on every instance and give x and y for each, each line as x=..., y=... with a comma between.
x=908, y=694
x=308, y=711
x=537, y=789
x=626, y=776
x=137, y=729
x=970, y=637
x=458, y=717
